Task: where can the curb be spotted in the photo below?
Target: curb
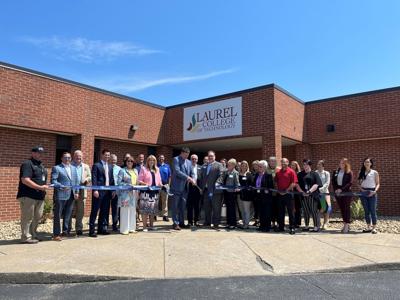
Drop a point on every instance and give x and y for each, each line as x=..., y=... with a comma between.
x=53, y=278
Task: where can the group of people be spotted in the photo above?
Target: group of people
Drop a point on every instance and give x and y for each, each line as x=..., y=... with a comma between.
x=263, y=192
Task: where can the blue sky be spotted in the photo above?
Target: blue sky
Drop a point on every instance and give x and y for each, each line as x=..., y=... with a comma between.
x=169, y=52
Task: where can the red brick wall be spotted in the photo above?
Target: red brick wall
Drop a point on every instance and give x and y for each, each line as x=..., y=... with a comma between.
x=364, y=116
x=36, y=102
x=15, y=147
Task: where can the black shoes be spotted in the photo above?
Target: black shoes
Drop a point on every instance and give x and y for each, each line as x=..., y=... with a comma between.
x=79, y=232
x=165, y=219
x=93, y=235
x=292, y=231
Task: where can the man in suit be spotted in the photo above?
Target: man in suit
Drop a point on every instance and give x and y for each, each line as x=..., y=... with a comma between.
x=63, y=176
x=193, y=201
x=211, y=176
x=84, y=178
x=182, y=174
x=102, y=175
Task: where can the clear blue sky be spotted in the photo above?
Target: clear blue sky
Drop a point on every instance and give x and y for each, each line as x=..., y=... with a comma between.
x=169, y=52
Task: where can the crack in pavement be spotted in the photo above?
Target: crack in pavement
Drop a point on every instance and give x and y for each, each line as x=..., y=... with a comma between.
x=3, y=253
x=337, y=247
x=264, y=264
x=303, y=278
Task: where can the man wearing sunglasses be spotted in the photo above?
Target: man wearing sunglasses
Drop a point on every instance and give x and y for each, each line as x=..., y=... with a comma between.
x=63, y=176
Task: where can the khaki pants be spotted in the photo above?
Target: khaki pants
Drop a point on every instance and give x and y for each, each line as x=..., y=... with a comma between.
x=31, y=213
x=163, y=204
x=79, y=207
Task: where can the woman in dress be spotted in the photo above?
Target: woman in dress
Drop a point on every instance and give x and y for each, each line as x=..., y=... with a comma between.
x=127, y=176
x=148, y=200
x=369, y=182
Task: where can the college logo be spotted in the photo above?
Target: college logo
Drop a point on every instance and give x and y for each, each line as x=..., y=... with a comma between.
x=194, y=126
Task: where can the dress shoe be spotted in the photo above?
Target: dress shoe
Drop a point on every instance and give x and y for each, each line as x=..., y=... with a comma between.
x=176, y=227
x=165, y=219
x=57, y=238
x=292, y=231
x=184, y=226
x=155, y=218
x=93, y=235
x=79, y=232
x=30, y=241
x=104, y=233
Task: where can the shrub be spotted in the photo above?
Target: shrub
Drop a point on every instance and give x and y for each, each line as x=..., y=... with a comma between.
x=357, y=210
x=47, y=210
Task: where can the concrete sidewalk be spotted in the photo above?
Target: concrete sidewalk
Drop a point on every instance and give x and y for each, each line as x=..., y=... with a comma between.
x=200, y=253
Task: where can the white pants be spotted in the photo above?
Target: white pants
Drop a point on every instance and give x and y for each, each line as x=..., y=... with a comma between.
x=245, y=210
x=127, y=220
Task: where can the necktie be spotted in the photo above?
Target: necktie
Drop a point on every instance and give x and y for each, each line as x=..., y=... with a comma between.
x=106, y=173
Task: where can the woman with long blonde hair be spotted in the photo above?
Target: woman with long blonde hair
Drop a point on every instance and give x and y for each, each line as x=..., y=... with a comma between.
x=148, y=200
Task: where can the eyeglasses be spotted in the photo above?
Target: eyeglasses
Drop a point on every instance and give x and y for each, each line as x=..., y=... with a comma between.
x=67, y=158
x=130, y=161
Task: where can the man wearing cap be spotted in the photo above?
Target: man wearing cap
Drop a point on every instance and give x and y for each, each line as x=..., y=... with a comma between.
x=31, y=192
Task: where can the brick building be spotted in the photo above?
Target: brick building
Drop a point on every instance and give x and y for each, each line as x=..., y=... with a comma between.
x=63, y=115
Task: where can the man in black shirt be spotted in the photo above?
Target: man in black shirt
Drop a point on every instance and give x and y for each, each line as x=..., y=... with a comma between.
x=31, y=192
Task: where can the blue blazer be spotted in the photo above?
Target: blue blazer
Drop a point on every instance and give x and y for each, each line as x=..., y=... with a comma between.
x=59, y=177
x=99, y=177
x=181, y=170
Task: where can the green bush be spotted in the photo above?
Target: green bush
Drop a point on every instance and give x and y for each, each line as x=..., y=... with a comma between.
x=47, y=209
x=357, y=210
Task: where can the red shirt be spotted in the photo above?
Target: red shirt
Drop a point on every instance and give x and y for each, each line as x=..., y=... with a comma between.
x=284, y=178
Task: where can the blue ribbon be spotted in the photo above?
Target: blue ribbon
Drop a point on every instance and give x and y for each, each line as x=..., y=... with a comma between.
x=250, y=188
x=108, y=188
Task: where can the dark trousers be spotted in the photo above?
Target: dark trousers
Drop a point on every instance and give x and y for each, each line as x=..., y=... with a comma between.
x=114, y=213
x=62, y=208
x=297, y=210
x=275, y=208
x=193, y=204
x=230, y=201
x=265, y=201
x=100, y=204
x=256, y=206
x=212, y=208
x=344, y=205
x=285, y=203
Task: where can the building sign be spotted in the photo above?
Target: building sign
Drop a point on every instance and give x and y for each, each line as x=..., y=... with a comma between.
x=212, y=120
